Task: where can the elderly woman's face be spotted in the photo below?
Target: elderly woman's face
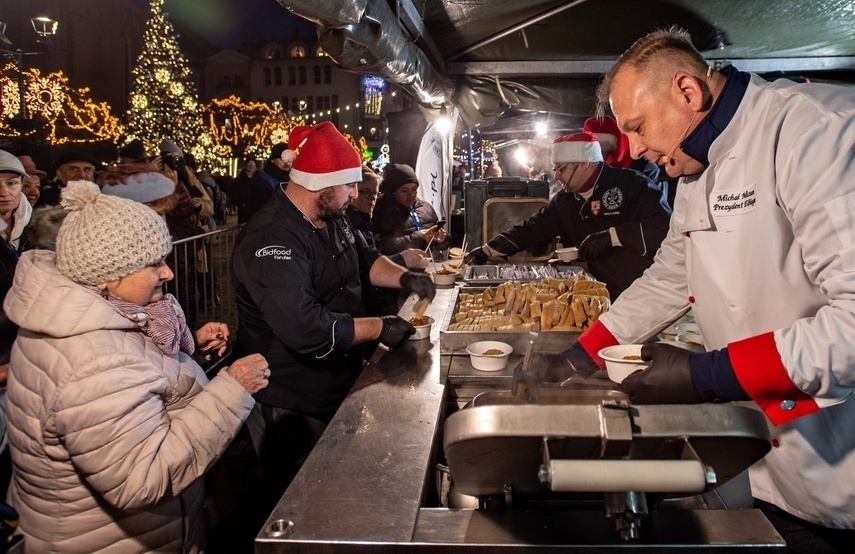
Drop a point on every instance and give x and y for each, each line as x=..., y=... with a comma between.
x=10, y=192
x=144, y=286
x=407, y=194
x=32, y=189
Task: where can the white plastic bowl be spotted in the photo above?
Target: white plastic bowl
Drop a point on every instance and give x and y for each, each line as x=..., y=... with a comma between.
x=443, y=280
x=490, y=362
x=567, y=254
x=619, y=368
x=422, y=331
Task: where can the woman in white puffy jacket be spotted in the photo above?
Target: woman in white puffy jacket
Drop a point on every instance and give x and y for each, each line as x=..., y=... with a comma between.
x=111, y=422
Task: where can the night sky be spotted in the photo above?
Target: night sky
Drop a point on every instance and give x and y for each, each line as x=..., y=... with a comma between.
x=230, y=23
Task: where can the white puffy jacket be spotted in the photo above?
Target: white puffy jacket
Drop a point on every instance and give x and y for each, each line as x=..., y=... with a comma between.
x=109, y=436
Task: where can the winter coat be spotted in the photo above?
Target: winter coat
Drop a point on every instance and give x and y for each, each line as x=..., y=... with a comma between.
x=394, y=229
x=761, y=246
x=109, y=436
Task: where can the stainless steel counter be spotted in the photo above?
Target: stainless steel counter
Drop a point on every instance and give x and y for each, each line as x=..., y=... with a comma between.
x=365, y=485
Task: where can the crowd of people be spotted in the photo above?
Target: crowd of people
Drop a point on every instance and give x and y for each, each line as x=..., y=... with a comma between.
x=110, y=424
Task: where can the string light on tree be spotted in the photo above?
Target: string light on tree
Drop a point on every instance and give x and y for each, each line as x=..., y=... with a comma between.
x=164, y=102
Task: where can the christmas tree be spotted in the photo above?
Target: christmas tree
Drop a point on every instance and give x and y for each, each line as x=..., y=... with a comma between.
x=164, y=103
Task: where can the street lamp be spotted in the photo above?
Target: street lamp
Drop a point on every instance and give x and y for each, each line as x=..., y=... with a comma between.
x=45, y=28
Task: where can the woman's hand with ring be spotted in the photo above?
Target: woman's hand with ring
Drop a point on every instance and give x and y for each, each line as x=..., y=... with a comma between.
x=213, y=336
x=251, y=372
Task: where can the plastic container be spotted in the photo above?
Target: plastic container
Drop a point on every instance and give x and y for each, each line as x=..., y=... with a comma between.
x=567, y=254
x=687, y=328
x=617, y=366
x=444, y=279
x=489, y=362
x=422, y=331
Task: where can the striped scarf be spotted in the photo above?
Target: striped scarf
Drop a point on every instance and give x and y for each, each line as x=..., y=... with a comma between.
x=162, y=321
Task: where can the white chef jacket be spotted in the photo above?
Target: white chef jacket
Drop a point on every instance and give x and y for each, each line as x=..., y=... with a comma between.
x=762, y=247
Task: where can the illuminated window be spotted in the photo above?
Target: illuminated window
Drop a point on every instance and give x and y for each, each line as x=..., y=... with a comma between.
x=319, y=52
x=297, y=51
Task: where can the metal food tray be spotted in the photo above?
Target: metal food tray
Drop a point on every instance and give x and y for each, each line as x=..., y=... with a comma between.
x=455, y=342
x=524, y=273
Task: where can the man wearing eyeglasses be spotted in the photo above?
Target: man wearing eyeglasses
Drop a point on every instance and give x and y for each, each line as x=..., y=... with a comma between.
x=617, y=217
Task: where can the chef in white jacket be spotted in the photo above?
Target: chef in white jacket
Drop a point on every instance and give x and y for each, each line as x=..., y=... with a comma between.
x=762, y=247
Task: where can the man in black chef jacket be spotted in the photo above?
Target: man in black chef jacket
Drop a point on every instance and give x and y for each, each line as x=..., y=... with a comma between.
x=298, y=267
x=617, y=217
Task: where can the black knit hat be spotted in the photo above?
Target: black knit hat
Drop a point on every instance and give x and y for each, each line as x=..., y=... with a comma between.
x=133, y=151
x=398, y=175
x=74, y=156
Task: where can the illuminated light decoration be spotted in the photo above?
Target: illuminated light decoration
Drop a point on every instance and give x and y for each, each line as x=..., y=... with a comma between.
x=177, y=89
x=44, y=94
x=382, y=160
x=70, y=115
x=10, y=95
x=373, y=94
x=164, y=103
x=139, y=101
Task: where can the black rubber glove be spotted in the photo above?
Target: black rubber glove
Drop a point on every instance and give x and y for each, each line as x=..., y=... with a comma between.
x=545, y=368
x=668, y=380
x=395, y=331
x=596, y=246
x=419, y=283
x=476, y=257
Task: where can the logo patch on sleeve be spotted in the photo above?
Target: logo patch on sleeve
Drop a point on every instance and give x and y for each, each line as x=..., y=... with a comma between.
x=278, y=252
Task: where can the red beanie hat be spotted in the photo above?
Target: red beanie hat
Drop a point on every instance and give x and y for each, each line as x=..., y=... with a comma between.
x=610, y=137
x=576, y=147
x=325, y=157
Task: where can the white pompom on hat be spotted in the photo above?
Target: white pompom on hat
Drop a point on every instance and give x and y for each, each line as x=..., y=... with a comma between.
x=105, y=238
x=324, y=159
x=576, y=148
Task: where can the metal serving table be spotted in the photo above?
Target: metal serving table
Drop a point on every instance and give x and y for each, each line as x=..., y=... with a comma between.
x=369, y=484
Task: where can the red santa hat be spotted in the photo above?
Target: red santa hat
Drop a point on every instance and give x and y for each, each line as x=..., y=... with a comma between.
x=324, y=159
x=576, y=148
x=611, y=140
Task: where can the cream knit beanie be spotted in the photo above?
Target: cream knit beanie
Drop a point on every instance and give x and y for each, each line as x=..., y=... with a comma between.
x=105, y=238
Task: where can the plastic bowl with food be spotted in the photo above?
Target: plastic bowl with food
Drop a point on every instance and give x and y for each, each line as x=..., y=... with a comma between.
x=567, y=254
x=489, y=355
x=422, y=325
x=622, y=360
x=444, y=277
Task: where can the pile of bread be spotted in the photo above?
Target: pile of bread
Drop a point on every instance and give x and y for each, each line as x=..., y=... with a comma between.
x=550, y=304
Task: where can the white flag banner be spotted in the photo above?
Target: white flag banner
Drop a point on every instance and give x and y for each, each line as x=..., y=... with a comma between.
x=433, y=167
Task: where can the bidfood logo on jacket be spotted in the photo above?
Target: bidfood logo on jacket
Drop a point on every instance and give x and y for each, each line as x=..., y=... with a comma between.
x=278, y=252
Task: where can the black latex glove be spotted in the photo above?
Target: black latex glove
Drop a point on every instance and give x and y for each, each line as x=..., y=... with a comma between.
x=545, y=368
x=419, y=283
x=596, y=246
x=668, y=380
x=476, y=257
x=395, y=331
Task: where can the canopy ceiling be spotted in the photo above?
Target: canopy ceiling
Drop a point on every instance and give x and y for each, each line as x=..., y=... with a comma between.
x=488, y=57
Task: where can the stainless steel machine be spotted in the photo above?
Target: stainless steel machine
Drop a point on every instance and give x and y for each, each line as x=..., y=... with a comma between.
x=526, y=478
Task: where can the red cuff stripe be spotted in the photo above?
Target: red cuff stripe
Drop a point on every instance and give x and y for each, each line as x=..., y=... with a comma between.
x=758, y=367
x=595, y=339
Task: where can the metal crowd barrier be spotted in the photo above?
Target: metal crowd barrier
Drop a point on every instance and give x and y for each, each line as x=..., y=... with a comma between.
x=203, y=279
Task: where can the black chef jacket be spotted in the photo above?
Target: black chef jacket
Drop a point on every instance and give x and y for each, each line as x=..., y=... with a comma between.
x=624, y=199
x=298, y=289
